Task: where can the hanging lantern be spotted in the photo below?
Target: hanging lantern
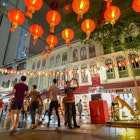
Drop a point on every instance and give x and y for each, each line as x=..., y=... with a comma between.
x=111, y=14
x=67, y=34
x=44, y=53
x=36, y=31
x=16, y=17
x=80, y=7
x=33, y=5
x=52, y=40
x=136, y=5
x=67, y=8
x=88, y=26
x=53, y=18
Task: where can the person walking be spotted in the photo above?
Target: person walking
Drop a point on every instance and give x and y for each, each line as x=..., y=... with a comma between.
x=70, y=103
x=20, y=90
x=47, y=104
x=54, y=91
x=34, y=104
x=80, y=108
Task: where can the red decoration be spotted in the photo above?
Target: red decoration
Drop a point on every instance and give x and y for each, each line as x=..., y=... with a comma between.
x=80, y=7
x=111, y=14
x=67, y=34
x=53, y=18
x=88, y=26
x=52, y=40
x=36, y=31
x=16, y=17
x=67, y=8
x=136, y=5
x=33, y=5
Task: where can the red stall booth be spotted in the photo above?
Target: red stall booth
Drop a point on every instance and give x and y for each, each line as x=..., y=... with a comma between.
x=99, y=111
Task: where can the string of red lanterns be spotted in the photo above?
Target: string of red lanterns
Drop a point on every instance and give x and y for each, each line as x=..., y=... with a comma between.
x=53, y=17
x=43, y=73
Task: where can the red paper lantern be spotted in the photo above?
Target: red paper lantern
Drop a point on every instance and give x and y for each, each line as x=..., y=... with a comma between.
x=36, y=31
x=33, y=5
x=52, y=40
x=136, y=5
x=80, y=7
x=16, y=17
x=67, y=34
x=67, y=8
x=111, y=14
x=88, y=26
x=53, y=18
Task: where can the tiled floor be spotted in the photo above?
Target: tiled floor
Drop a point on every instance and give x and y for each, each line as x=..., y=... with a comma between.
x=87, y=131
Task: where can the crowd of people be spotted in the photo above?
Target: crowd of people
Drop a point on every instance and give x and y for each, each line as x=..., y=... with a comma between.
x=27, y=102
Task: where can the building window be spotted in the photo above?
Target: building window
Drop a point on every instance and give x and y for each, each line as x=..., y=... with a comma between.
x=84, y=73
x=33, y=66
x=51, y=62
x=109, y=68
x=135, y=63
x=57, y=76
x=83, y=53
x=93, y=68
x=38, y=65
x=43, y=64
x=57, y=60
x=64, y=59
x=75, y=74
x=92, y=52
x=21, y=66
x=75, y=55
x=122, y=68
x=41, y=83
x=64, y=76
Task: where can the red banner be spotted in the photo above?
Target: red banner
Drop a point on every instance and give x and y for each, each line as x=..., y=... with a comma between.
x=95, y=80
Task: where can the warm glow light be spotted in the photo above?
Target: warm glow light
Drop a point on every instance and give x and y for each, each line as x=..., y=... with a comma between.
x=80, y=7
x=67, y=34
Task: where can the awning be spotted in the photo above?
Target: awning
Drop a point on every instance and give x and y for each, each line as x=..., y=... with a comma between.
x=121, y=85
x=8, y=95
x=82, y=90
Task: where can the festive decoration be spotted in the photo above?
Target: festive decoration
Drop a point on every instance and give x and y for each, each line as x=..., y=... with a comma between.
x=10, y=71
x=36, y=31
x=111, y=14
x=33, y=5
x=80, y=7
x=88, y=26
x=67, y=8
x=52, y=40
x=67, y=34
x=16, y=17
x=53, y=18
x=136, y=5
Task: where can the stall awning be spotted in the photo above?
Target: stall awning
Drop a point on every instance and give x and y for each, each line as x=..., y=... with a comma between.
x=82, y=89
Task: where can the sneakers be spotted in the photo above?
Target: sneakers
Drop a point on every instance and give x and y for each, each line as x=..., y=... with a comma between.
x=76, y=126
x=12, y=132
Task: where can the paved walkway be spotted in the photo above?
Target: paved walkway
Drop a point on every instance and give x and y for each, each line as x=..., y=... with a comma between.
x=87, y=131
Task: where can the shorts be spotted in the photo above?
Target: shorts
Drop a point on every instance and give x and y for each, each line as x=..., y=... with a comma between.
x=17, y=105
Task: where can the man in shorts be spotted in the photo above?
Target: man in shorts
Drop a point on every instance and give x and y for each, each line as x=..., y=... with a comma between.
x=20, y=90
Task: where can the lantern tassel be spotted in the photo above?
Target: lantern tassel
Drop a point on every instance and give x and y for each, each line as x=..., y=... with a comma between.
x=35, y=39
x=68, y=43
x=29, y=12
x=13, y=27
x=80, y=16
x=52, y=26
